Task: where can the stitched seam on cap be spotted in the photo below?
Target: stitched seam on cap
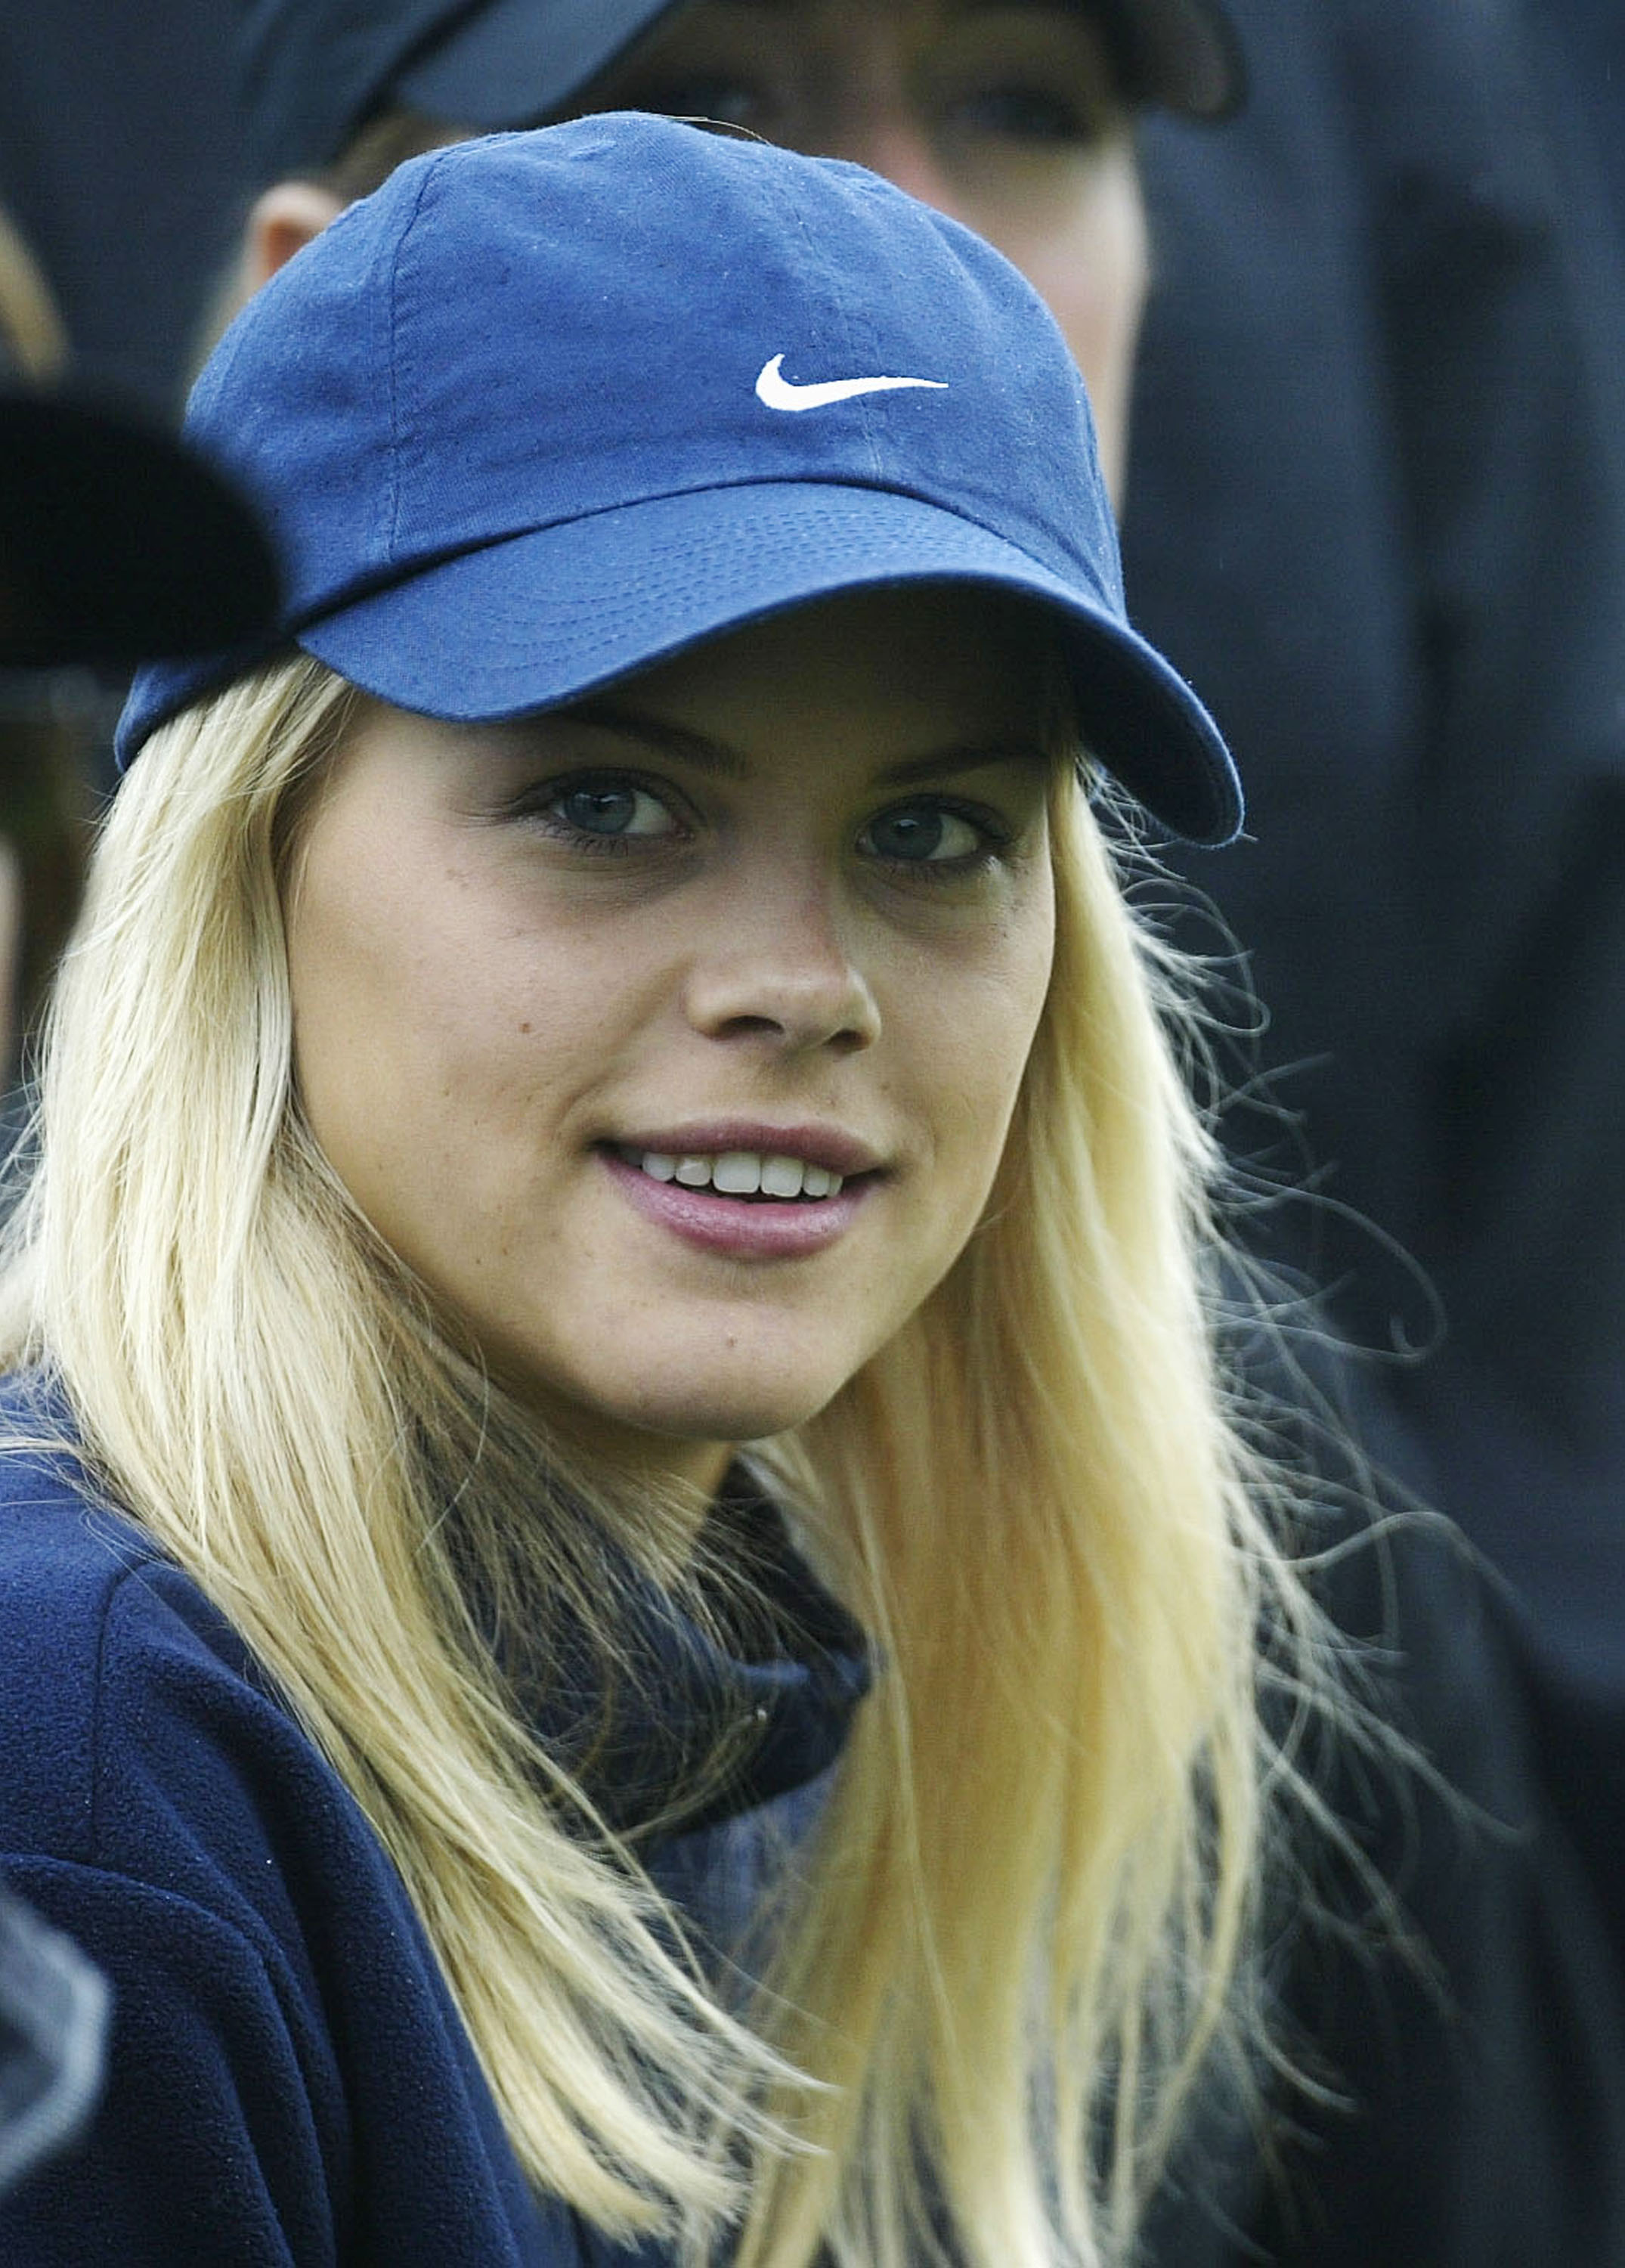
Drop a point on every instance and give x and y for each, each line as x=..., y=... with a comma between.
x=405, y=230
x=831, y=279
x=867, y=354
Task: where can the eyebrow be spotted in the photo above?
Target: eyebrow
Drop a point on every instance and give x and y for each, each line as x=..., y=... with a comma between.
x=719, y=758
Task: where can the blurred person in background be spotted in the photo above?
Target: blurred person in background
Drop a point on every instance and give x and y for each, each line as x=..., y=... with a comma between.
x=1017, y=119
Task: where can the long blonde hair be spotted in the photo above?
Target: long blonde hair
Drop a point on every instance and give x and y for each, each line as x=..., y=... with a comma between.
x=1021, y=1926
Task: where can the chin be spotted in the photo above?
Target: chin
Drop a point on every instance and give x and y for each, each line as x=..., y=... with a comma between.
x=693, y=1408
x=729, y=1417
x=698, y=1391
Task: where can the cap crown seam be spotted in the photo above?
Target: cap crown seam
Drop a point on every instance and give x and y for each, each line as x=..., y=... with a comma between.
x=831, y=285
x=398, y=320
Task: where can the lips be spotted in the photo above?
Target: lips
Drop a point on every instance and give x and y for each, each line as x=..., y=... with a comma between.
x=740, y=1226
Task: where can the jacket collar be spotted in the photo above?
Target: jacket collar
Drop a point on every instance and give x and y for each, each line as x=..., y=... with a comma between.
x=703, y=1721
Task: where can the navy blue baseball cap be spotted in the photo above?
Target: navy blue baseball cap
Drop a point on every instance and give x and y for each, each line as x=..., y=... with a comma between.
x=550, y=407
x=312, y=73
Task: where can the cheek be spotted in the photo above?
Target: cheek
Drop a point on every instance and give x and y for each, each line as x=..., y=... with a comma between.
x=356, y=976
x=980, y=1038
x=404, y=1015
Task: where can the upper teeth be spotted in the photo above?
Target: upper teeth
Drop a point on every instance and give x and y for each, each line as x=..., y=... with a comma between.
x=742, y=1173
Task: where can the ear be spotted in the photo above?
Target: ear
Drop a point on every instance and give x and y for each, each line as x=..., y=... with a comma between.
x=283, y=221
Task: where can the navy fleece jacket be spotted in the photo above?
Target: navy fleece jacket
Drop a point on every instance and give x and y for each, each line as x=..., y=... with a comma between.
x=287, y=2080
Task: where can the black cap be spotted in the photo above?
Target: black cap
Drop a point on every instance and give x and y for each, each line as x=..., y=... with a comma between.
x=117, y=544
x=311, y=72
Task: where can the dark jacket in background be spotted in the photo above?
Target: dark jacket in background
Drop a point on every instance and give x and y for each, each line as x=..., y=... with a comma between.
x=1586, y=39
x=1376, y=515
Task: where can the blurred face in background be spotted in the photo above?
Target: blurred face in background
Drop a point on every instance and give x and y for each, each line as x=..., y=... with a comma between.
x=1007, y=115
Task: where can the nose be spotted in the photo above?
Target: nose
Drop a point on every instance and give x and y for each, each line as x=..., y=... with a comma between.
x=784, y=978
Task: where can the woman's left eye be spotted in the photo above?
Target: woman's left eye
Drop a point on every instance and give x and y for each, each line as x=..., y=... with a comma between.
x=605, y=811
x=928, y=835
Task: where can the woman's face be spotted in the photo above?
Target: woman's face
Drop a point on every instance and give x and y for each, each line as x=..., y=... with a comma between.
x=1006, y=116
x=566, y=988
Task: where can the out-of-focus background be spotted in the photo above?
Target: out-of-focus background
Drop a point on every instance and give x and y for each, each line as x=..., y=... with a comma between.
x=116, y=163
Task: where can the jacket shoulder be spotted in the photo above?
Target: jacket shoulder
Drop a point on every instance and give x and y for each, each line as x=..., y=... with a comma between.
x=64, y=1559
x=125, y=1694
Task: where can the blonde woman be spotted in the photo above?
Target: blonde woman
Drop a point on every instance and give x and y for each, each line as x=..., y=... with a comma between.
x=631, y=1610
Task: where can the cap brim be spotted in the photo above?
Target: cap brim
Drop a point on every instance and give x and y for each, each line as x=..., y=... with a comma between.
x=548, y=616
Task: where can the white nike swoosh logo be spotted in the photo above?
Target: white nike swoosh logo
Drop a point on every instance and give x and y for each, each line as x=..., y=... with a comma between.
x=779, y=393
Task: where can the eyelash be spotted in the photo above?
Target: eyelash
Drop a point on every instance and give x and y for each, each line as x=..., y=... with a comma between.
x=540, y=803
